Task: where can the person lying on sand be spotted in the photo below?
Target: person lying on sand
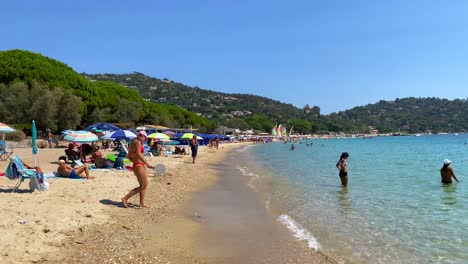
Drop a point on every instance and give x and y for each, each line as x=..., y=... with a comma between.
x=66, y=170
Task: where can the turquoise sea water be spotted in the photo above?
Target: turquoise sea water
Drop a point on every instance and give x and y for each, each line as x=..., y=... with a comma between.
x=395, y=210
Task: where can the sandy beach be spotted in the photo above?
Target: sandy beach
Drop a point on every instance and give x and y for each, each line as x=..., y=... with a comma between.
x=83, y=221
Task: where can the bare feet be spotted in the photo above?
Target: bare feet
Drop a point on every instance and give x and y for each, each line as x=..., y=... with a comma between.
x=145, y=205
x=125, y=202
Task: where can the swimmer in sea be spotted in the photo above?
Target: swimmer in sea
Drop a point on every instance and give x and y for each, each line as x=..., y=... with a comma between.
x=447, y=172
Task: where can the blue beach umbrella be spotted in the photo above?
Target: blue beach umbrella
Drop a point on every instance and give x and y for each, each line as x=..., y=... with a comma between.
x=102, y=126
x=120, y=134
x=33, y=141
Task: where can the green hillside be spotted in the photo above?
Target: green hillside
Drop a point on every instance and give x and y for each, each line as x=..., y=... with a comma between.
x=409, y=115
x=412, y=115
x=33, y=86
x=233, y=110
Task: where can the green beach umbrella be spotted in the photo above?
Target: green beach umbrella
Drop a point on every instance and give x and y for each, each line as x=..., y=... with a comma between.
x=158, y=136
x=33, y=142
x=190, y=136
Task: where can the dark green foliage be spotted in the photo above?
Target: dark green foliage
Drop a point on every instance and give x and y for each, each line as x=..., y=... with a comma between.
x=260, y=122
x=237, y=123
x=411, y=115
x=33, y=86
x=300, y=126
x=17, y=135
x=214, y=105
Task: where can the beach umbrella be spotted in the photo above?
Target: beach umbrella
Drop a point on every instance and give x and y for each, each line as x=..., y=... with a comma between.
x=5, y=129
x=66, y=132
x=162, y=140
x=170, y=133
x=158, y=136
x=33, y=141
x=103, y=126
x=171, y=142
x=120, y=134
x=190, y=136
x=81, y=136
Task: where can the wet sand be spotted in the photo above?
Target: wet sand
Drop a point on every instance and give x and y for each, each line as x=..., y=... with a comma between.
x=236, y=227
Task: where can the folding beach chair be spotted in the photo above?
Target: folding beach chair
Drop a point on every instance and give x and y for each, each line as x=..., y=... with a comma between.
x=17, y=171
x=4, y=152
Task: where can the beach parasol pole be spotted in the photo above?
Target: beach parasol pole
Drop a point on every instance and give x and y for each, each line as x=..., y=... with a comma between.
x=33, y=141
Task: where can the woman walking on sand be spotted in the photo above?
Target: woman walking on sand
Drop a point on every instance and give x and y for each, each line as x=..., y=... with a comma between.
x=135, y=154
x=343, y=167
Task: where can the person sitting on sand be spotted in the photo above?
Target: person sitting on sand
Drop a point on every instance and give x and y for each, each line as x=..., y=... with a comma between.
x=447, y=172
x=66, y=170
x=96, y=153
x=71, y=152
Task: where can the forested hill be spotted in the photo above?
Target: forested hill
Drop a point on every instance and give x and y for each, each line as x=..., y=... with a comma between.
x=214, y=105
x=407, y=115
x=412, y=115
x=33, y=86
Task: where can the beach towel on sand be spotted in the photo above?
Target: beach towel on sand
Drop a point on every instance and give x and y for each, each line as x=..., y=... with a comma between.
x=56, y=175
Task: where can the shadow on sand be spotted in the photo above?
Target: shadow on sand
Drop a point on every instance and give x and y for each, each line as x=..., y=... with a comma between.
x=117, y=203
x=17, y=191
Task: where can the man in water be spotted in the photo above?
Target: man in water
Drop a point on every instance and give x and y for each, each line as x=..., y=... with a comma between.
x=447, y=172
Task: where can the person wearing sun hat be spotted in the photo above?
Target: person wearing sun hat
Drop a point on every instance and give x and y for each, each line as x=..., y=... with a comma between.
x=135, y=154
x=447, y=172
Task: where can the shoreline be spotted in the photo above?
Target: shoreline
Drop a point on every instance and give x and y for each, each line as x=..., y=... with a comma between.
x=83, y=221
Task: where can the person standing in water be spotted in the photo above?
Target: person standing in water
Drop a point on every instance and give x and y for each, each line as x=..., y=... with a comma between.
x=343, y=167
x=447, y=172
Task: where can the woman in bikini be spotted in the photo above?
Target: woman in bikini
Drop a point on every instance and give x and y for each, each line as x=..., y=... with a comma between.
x=135, y=154
x=343, y=167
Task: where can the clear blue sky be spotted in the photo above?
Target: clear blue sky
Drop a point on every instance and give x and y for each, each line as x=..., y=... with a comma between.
x=333, y=54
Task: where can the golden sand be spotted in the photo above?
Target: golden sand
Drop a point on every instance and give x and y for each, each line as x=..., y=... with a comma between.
x=82, y=221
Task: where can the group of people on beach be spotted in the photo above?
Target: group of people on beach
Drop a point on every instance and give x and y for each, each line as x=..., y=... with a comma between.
x=446, y=172
x=136, y=156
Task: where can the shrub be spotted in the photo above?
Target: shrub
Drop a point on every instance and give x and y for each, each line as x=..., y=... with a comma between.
x=17, y=135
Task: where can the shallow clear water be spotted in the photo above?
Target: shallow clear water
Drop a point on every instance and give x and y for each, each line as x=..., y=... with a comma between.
x=395, y=210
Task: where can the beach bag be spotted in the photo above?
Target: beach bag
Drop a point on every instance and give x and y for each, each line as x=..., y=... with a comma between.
x=41, y=185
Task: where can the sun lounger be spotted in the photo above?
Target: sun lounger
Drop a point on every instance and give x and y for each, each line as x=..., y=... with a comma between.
x=17, y=171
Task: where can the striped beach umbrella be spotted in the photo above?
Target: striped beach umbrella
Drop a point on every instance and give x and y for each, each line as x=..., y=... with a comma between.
x=120, y=134
x=5, y=129
x=81, y=136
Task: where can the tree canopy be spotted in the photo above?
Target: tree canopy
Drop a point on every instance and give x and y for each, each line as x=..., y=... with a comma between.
x=33, y=86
